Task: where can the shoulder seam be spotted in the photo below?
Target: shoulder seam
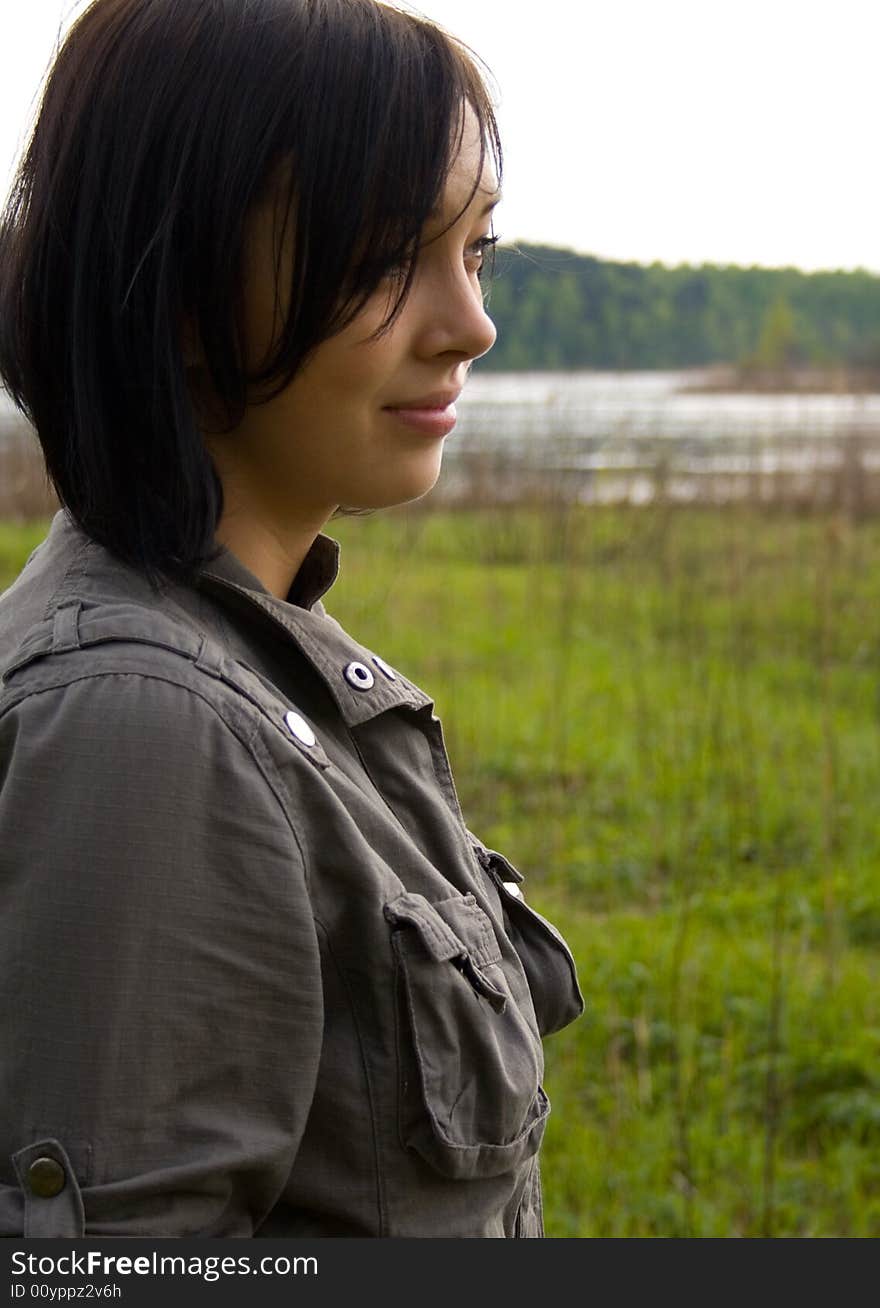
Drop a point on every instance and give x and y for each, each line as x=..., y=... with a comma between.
x=94, y=674
x=248, y=740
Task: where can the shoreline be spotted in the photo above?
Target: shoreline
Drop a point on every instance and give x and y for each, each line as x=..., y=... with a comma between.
x=730, y=379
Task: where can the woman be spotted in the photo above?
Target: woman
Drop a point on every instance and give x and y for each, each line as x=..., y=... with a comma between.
x=259, y=978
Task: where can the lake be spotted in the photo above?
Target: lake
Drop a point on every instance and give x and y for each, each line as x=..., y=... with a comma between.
x=598, y=436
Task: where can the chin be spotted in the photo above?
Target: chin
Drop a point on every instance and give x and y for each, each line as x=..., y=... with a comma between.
x=404, y=491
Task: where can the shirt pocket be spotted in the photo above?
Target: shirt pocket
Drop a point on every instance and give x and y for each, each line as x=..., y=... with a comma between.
x=469, y=1058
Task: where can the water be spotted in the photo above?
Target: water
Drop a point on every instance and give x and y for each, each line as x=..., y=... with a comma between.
x=606, y=436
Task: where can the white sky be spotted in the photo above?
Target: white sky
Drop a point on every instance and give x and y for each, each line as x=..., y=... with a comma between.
x=678, y=130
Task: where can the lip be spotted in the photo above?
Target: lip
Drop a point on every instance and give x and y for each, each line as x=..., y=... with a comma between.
x=434, y=400
x=432, y=414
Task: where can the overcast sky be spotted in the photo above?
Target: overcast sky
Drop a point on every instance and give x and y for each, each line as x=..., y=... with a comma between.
x=678, y=130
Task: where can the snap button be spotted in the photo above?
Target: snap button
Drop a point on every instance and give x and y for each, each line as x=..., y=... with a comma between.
x=383, y=667
x=513, y=889
x=359, y=676
x=45, y=1177
x=298, y=727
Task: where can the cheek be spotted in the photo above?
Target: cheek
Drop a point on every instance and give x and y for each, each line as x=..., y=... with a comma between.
x=363, y=363
x=348, y=370
x=339, y=379
x=363, y=371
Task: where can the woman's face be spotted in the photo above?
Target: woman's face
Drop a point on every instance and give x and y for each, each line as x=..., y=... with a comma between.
x=364, y=422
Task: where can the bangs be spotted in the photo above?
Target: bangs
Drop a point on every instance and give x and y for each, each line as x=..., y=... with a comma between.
x=390, y=136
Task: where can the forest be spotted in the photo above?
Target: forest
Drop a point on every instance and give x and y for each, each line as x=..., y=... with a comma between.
x=555, y=309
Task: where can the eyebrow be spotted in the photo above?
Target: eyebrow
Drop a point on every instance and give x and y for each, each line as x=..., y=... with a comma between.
x=435, y=215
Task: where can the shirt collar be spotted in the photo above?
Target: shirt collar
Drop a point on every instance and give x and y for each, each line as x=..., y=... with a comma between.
x=317, y=572
x=89, y=573
x=327, y=646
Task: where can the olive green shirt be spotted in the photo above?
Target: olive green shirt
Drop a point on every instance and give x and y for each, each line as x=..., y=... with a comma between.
x=258, y=977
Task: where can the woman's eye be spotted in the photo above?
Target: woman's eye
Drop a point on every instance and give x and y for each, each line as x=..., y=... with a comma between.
x=474, y=256
x=478, y=251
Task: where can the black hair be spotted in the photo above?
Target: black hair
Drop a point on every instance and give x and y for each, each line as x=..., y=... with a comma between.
x=162, y=124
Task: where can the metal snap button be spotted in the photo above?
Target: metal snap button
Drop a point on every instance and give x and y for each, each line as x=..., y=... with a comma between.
x=359, y=676
x=46, y=1177
x=298, y=727
x=383, y=667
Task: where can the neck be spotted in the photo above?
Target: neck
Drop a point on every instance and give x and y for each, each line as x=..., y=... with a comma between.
x=273, y=556
x=270, y=538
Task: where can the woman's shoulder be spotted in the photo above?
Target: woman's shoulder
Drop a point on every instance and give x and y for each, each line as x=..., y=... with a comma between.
x=67, y=574
x=123, y=738
x=74, y=594
x=86, y=644
x=102, y=676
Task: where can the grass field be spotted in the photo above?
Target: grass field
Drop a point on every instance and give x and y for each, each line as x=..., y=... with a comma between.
x=668, y=719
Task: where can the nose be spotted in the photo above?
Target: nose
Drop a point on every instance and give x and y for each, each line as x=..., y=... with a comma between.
x=455, y=320
x=485, y=332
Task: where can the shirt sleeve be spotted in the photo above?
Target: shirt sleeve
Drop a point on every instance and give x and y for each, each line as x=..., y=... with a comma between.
x=162, y=1007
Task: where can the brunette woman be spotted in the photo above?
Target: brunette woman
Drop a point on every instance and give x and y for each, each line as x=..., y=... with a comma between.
x=259, y=978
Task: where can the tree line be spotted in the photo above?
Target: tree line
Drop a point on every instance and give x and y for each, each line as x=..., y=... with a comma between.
x=555, y=309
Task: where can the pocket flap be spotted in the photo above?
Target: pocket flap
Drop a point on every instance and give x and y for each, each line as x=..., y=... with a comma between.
x=449, y=929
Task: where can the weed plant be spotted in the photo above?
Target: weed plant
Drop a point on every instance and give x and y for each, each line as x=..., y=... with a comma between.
x=667, y=717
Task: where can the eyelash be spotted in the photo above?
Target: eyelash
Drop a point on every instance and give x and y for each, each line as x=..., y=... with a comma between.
x=480, y=248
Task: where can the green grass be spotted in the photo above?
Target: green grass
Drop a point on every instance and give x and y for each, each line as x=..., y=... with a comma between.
x=16, y=543
x=668, y=719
